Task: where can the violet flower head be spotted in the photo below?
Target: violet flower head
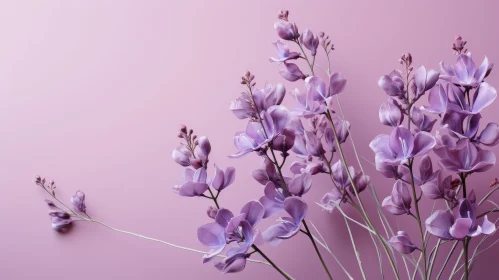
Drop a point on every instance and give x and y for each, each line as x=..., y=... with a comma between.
x=222, y=179
x=438, y=189
x=250, y=105
x=342, y=128
x=273, y=200
x=287, y=30
x=458, y=225
x=489, y=135
x=424, y=80
x=284, y=142
x=300, y=184
x=392, y=84
x=422, y=121
x=399, y=202
x=288, y=226
x=342, y=180
x=283, y=52
x=78, y=201
x=465, y=72
x=267, y=173
x=483, y=97
x=307, y=106
x=390, y=113
x=437, y=99
x=459, y=45
x=310, y=41
x=61, y=221
x=292, y=72
x=461, y=125
x=466, y=157
x=331, y=200
x=402, y=243
x=401, y=145
x=193, y=183
x=256, y=136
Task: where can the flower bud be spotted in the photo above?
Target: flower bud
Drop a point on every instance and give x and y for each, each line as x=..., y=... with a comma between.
x=286, y=30
x=204, y=146
x=181, y=156
x=78, y=201
x=490, y=135
x=292, y=72
x=310, y=41
x=402, y=243
x=50, y=203
x=390, y=113
x=285, y=141
x=212, y=212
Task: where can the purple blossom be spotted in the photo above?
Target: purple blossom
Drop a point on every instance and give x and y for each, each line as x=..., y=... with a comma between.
x=458, y=225
x=490, y=135
x=267, y=173
x=336, y=84
x=256, y=136
x=342, y=180
x=283, y=52
x=273, y=200
x=310, y=41
x=78, y=201
x=244, y=107
x=288, y=226
x=287, y=30
x=284, y=142
x=61, y=220
x=332, y=199
x=307, y=106
x=193, y=183
x=465, y=72
x=392, y=84
x=182, y=155
x=424, y=80
x=437, y=189
x=308, y=165
x=461, y=125
x=422, y=121
x=300, y=184
x=402, y=243
x=292, y=72
x=437, y=99
x=390, y=113
x=464, y=156
x=222, y=179
x=401, y=145
x=399, y=202
x=483, y=97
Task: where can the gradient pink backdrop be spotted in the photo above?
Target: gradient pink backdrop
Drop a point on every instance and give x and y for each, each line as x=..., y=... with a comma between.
x=92, y=93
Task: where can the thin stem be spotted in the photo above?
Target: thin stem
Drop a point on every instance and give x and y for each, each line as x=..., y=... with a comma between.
x=284, y=274
x=363, y=211
x=357, y=255
x=317, y=249
x=449, y=255
x=432, y=261
x=487, y=195
x=418, y=218
x=466, y=264
x=311, y=65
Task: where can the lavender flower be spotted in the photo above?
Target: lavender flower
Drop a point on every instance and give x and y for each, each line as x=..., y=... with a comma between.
x=390, y=113
x=392, y=84
x=401, y=145
x=462, y=223
x=283, y=52
x=292, y=72
x=61, y=220
x=402, y=243
x=332, y=199
x=310, y=41
x=422, y=121
x=193, y=183
x=399, y=202
x=465, y=72
x=78, y=201
x=483, y=97
x=424, y=80
x=490, y=135
x=273, y=200
x=223, y=179
x=466, y=157
x=437, y=99
x=287, y=30
x=288, y=226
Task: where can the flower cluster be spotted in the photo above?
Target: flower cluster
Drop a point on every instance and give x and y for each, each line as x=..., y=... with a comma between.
x=456, y=97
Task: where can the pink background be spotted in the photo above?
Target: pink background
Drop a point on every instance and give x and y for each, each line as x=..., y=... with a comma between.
x=92, y=93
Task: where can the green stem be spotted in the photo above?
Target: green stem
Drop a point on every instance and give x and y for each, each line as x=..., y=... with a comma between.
x=316, y=249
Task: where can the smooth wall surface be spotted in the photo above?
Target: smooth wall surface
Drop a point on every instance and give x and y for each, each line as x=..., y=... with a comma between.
x=92, y=94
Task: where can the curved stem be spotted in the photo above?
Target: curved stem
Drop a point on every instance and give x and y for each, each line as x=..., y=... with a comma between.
x=449, y=255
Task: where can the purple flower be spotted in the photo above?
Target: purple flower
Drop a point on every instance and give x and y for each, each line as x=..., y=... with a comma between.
x=490, y=135
x=436, y=189
x=283, y=52
x=313, y=144
x=273, y=200
x=267, y=173
x=308, y=165
x=461, y=125
x=285, y=141
x=342, y=131
x=256, y=136
x=390, y=113
x=401, y=145
x=78, y=201
x=307, y=106
x=399, y=202
x=61, y=220
x=287, y=30
x=223, y=179
x=288, y=226
x=336, y=84
x=228, y=228
x=437, y=99
x=465, y=72
x=483, y=97
x=292, y=72
x=340, y=177
x=402, y=243
x=466, y=157
x=332, y=199
x=392, y=84
x=300, y=184
x=426, y=173
x=243, y=107
x=193, y=183
x=310, y=41
x=424, y=80
x=422, y=121
x=182, y=156
x=462, y=223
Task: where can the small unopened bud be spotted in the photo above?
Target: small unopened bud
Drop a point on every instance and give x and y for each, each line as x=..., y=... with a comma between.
x=50, y=203
x=183, y=128
x=212, y=212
